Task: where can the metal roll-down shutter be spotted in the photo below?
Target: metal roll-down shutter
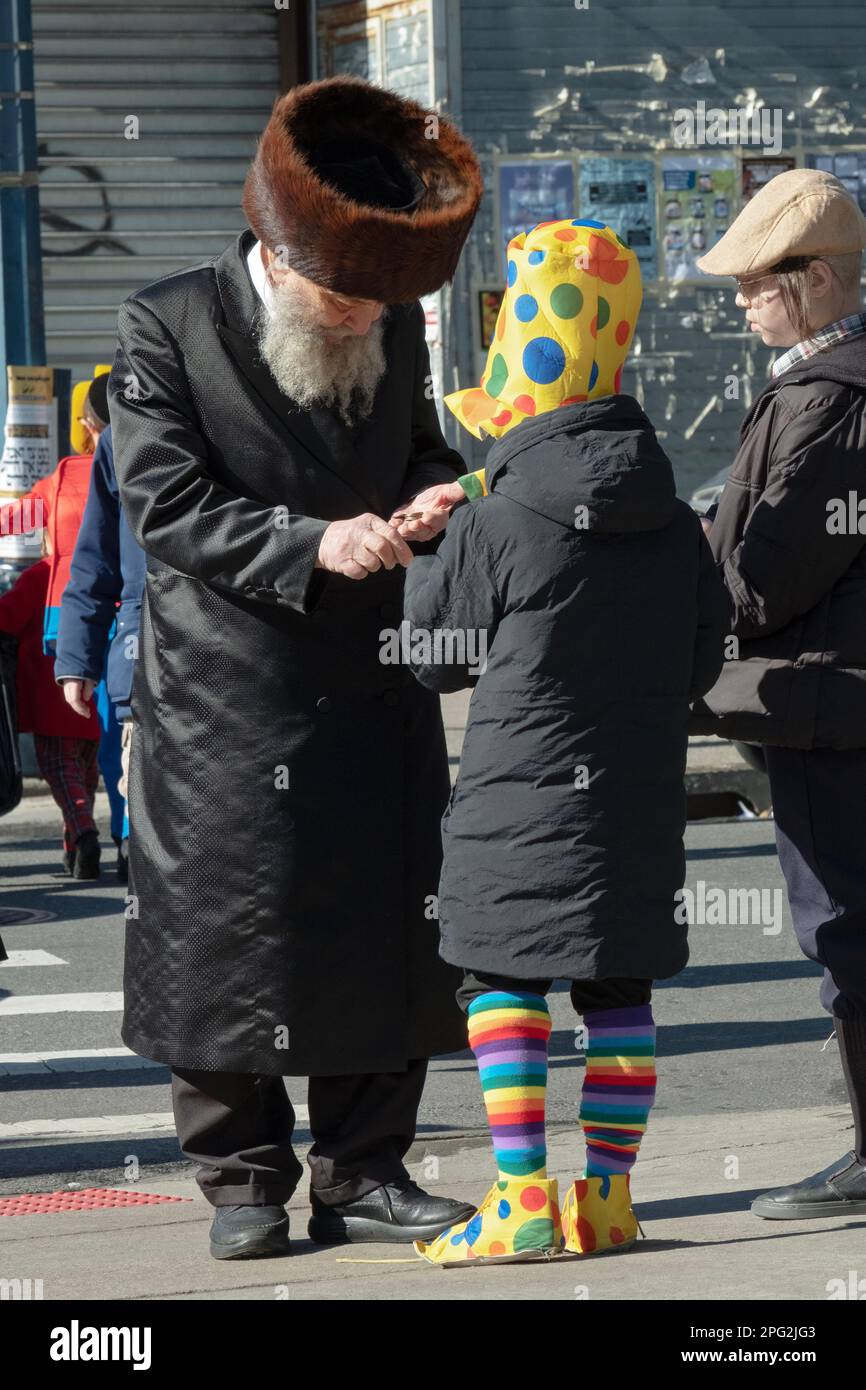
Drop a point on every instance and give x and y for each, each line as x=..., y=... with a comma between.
x=194, y=81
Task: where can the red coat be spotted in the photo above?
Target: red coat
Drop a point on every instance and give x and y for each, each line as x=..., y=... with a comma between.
x=63, y=496
x=42, y=707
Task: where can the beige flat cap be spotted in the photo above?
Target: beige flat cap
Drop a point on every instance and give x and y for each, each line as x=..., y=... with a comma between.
x=803, y=212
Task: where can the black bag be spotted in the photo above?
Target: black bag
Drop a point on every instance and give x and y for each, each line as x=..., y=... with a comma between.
x=11, y=782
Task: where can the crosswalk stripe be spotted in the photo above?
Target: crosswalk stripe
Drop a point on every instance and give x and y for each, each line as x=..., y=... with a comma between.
x=61, y=1004
x=86, y=1127
x=98, y=1126
x=31, y=958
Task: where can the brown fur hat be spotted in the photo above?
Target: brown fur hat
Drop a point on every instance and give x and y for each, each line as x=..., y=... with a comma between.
x=362, y=251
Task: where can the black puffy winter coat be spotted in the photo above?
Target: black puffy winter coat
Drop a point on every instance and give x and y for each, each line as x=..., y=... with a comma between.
x=604, y=617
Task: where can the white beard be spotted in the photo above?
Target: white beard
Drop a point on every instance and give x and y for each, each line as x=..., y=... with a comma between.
x=320, y=366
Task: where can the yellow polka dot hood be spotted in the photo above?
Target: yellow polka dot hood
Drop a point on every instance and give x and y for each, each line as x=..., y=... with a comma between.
x=564, y=328
x=568, y=445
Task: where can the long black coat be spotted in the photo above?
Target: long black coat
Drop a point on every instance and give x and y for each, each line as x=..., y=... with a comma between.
x=285, y=786
x=602, y=623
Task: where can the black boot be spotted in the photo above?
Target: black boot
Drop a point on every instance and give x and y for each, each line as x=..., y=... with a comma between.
x=397, y=1211
x=87, y=855
x=249, y=1233
x=839, y=1190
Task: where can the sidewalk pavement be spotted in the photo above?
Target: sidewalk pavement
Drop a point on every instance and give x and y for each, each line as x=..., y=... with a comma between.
x=701, y=1241
x=716, y=777
x=37, y=814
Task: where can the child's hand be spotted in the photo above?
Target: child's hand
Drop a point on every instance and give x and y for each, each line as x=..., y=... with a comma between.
x=78, y=695
x=427, y=514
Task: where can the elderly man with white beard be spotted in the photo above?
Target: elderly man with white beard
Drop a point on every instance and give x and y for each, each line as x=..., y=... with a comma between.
x=273, y=417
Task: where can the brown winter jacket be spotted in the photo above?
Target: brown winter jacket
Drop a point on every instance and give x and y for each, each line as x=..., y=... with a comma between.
x=797, y=582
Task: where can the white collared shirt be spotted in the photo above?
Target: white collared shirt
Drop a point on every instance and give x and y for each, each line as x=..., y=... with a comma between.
x=256, y=267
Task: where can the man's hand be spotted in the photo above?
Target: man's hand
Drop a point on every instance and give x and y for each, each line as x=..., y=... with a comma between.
x=78, y=695
x=360, y=546
x=427, y=514
x=707, y=525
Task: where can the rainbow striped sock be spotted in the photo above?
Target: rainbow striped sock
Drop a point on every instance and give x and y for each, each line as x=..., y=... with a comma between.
x=619, y=1087
x=508, y=1034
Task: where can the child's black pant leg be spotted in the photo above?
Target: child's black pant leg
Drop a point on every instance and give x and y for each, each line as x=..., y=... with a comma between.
x=482, y=983
x=591, y=996
x=587, y=996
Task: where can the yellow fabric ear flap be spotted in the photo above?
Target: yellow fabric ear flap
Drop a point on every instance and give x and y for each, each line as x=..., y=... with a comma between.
x=77, y=433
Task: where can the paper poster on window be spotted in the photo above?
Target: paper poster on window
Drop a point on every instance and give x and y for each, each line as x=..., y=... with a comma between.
x=621, y=193
x=757, y=172
x=489, y=304
x=696, y=207
x=850, y=170
x=29, y=453
x=533, y=191
x=432, y=306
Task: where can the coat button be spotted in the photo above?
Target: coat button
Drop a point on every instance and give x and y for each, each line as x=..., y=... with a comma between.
x=323, y=704
x=391, y=697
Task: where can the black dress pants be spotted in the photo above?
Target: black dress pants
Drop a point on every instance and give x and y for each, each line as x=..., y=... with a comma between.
x=819, y=802
x=238, y=1127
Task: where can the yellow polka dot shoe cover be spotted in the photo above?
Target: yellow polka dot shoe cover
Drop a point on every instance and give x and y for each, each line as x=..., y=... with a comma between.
x=564, y=328
x=597, y=1215
x=517, y=1221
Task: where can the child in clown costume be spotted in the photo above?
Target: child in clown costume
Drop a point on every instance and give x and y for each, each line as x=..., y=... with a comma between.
x=604, y=617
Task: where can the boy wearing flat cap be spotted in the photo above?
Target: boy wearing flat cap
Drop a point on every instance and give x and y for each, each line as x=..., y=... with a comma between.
x=793, y=556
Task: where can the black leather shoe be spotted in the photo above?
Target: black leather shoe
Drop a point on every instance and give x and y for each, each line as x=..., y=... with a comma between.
x=248, y=1233
x=397, y=1212
x=839, y=1191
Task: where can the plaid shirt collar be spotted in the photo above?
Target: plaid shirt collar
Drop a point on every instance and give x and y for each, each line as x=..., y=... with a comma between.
x=837, y=332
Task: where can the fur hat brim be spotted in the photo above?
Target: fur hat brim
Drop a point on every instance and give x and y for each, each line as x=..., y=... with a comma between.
x=345, y=245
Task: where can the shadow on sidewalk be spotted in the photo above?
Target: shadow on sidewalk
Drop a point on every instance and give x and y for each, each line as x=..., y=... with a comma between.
x=722, y=1203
